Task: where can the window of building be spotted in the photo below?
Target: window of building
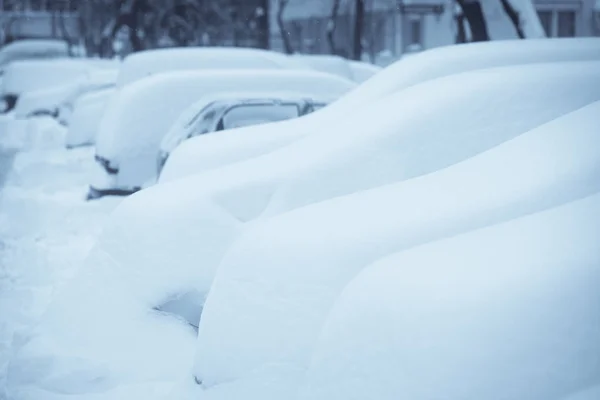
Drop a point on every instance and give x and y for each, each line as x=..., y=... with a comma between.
x=566, y=23
x=558, y=19
x=413, y=32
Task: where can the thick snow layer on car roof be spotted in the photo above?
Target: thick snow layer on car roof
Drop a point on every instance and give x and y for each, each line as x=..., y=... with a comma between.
x=32, y=48
x=172, y=138
x=506, y=312
x=87, y=114
x=145, y=63
x=361, y=71
x=137, y=120
x=23, y=76
x=327, y=63
x=305, y=257
x=66, y=93
x=419, y=68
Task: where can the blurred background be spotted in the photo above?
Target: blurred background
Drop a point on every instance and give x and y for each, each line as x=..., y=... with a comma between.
x=379, y=31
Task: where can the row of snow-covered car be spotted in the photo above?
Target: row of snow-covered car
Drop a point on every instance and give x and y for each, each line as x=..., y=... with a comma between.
x=212, y=88
x=432, y=233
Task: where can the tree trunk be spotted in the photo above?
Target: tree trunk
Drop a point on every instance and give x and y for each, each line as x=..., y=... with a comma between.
x=461, y=33
x=332, y=26
x=474, y=14
x=514, y=17
x=287, y=46
x=359, y=19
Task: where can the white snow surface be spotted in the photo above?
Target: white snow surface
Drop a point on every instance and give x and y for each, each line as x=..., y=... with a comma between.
x=185, y=121
x=46, y=227
x=430, y=64
x=63, y=96
x=331, y=64
x=280, y=278
x=32, y=49
x=361, y=71
x=206, y=219
x=145, y=63
x=24, y=76
x=88, y=111
x=142, y=112
x=506, y=312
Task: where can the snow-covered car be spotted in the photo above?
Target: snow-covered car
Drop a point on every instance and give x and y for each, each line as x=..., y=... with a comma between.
x=145, y=63
x=142, y=112
x=361, y=71
x=200, y=154
x=58, y=100
x=86, y=116
x=168, y=240
x=25, y=76
x=356, y=71
x=314, y=252
x=508, y=311
x=28, y=49
x=233, y=110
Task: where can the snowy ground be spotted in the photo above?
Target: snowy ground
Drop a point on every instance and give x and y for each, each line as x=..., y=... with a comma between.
x=46, y=226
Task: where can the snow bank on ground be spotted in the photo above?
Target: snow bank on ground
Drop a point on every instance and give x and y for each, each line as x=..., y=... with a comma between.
x=138, y=118
x=88, y=111
x=145, y=63
x=46, y=226
x=507, y=312
x=419, y=68
x=32, y=133
x=302, y=259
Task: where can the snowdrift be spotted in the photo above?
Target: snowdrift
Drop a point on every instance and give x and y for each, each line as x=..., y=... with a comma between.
x=192, y=158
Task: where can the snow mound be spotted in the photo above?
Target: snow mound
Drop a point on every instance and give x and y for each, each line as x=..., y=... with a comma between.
x=281, y=277
x=87, y=115
x=145, y=63
x=136, y=121
x=507, y=312
x=419, y=68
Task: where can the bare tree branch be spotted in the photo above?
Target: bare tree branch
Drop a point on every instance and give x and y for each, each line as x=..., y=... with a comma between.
x=287, y=45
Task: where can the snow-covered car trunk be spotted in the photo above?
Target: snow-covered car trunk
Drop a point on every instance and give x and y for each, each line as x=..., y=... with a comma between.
x=505, y=312
x=87, y=114
x=200, y=154
x=314, y=251
x=142, y=112
x=169, y=239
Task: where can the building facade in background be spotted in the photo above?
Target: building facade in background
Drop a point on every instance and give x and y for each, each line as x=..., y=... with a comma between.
x=38, y=19
x=391, y=27
x=395, y=27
